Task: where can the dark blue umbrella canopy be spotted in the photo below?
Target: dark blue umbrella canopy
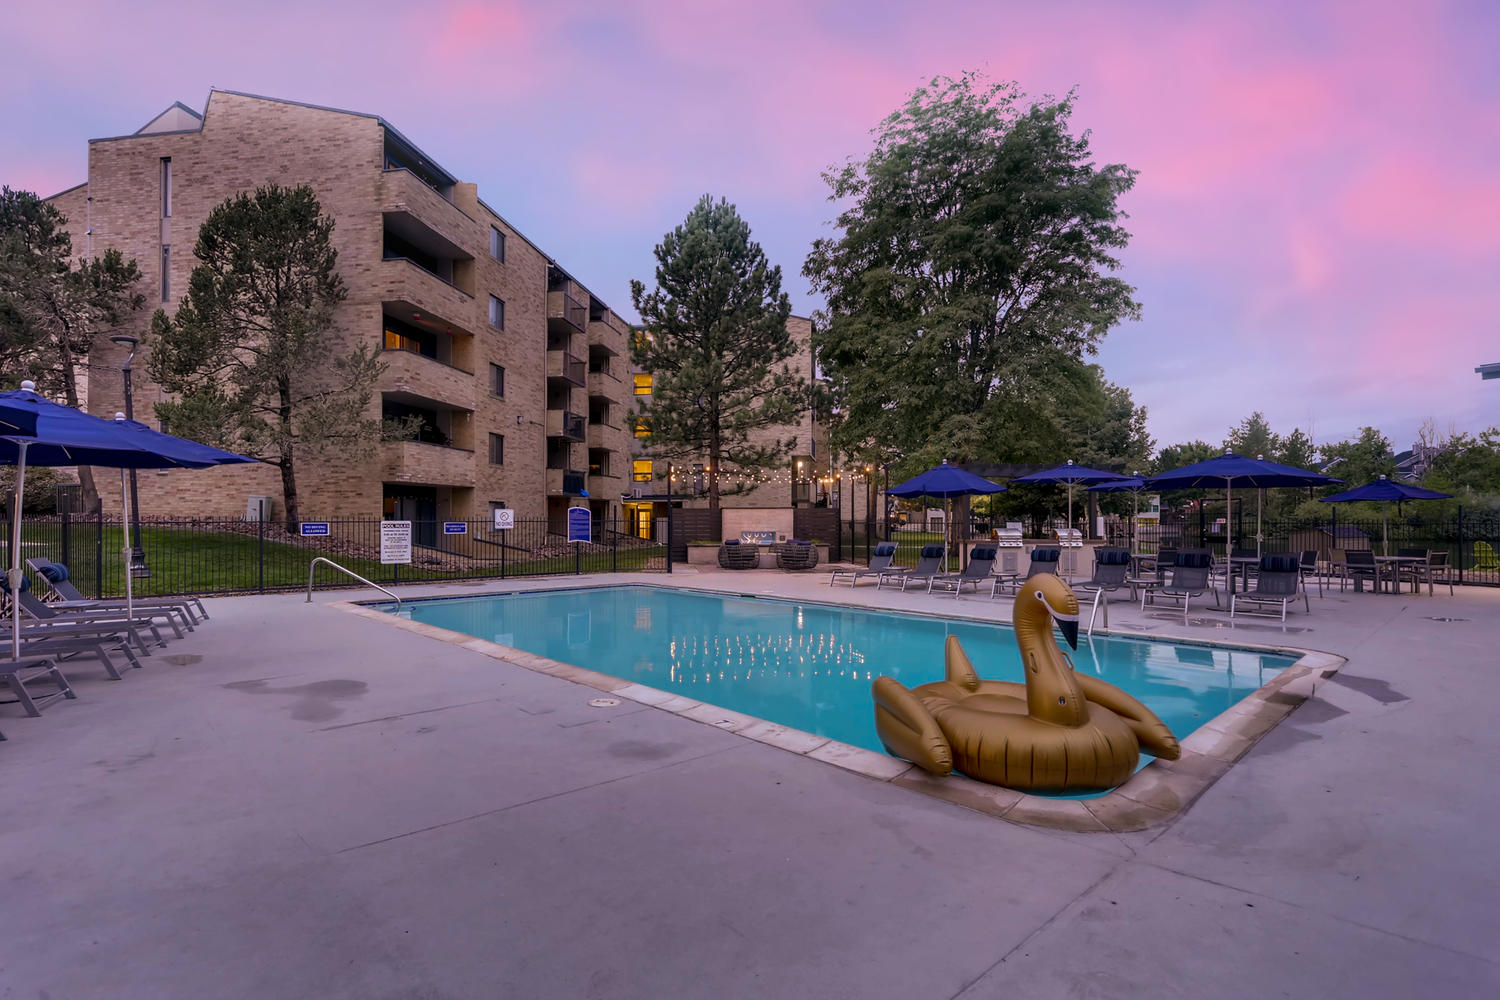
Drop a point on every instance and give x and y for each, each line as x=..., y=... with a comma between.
x=1070, y=474
x=65, y=436
x=1229, y=470
x=1386, y=489
x=945, y=481
x=17, y=416
x=1120, y=486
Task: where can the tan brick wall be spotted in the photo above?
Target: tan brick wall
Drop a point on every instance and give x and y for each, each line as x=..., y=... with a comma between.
x=247, y=142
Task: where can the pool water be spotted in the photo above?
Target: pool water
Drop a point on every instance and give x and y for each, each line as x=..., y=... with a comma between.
x=809, y=666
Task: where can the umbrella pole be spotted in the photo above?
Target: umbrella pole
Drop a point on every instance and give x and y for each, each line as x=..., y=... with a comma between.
x=1385, y=530
x=15, y=576
x=125, y=552
x=1260, y=496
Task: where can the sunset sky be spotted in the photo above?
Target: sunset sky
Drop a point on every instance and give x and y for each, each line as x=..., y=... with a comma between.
x=1316, y=225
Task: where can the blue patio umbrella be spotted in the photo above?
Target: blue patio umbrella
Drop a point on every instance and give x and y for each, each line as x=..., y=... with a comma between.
x=65, y=436
x=946, y=482
x=1230, y=470
x=1073, y=475
x=1385, y=490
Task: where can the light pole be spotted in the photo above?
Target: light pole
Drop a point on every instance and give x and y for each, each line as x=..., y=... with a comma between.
x=137, y=555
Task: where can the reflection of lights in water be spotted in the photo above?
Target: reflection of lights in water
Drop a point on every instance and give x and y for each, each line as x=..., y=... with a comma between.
x=643, y=618
x=755, y=656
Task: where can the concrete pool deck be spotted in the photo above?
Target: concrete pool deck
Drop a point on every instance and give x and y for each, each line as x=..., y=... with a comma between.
x=298, y=802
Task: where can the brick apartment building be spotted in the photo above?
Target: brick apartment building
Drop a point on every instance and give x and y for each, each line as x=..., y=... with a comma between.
x=519, y=374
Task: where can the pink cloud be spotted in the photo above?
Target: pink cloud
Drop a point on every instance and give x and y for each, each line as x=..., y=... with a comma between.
x=1414, y=201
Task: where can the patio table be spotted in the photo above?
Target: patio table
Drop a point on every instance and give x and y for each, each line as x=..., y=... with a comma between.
x=1395, y=563
x=1242, y=564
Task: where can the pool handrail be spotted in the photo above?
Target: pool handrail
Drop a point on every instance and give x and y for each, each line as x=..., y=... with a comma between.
x=312, y=567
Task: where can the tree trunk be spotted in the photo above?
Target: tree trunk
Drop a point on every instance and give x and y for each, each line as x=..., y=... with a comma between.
x=713, y=470
x=70, y=392
x=288, y=472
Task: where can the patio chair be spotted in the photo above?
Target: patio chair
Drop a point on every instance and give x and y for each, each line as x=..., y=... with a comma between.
x=929, y=564
x=880, y=562
x=1044, y=559
x=1192, y=576
x=981, y=565
x=1359, y=566
x=1278, y=582
x=1307, y=565
x=1435, y=570
x=59, y=582
x=1414, y=572
x=797, y=555
x=1485, y=559
x=1111, y=571
x=16, y=674
x=734, y=555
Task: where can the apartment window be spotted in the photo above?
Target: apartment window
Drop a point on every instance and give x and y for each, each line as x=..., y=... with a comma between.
x=642, y=427
x=641, y=470
x=497, y=313
x=497, y=381
x=497, y=244
x=497, y=449
x=166, y=272
x=642, y=384
x=166, y=187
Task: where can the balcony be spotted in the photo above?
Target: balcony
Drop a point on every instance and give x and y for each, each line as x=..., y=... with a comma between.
x=406, y=281
x=567, y=367
x=565, y=482
x=415, y=377
x=606, y=386
x=610, y=436
x=402, y=191
x=608, y=334
x=427, y=464
x=563, y=424
x=567, y=311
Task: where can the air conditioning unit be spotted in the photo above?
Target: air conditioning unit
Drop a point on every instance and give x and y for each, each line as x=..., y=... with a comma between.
x=258, y=509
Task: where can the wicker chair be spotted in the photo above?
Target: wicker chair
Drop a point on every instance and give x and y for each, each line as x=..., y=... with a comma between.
x=796, y=555
x=737, y=555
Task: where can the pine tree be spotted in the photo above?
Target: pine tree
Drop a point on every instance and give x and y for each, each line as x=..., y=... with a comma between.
x=716, y=344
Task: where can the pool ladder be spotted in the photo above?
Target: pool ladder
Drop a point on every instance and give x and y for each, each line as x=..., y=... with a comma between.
x=312, y=567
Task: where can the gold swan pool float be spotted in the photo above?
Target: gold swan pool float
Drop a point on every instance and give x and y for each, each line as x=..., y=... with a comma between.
x=1060, y=731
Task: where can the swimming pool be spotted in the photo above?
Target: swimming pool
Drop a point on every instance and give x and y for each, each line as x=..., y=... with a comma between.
x=809, y=666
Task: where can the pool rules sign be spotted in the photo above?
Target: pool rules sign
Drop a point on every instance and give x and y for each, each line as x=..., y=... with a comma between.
x=395, y=542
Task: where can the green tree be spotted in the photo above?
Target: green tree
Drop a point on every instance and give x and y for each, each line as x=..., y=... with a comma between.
x=717, y=347
x=53, y=308
x=1468, y=466
x=1297, y=450
x=250, y=352
x=973, y=255
x=1360, y=459
x=1175, y=456
x=1253, y=438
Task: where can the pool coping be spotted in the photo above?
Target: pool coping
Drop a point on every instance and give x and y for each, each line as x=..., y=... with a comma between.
x=1154, y=795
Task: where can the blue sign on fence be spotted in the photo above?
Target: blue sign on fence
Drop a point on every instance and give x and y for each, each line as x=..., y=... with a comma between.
x=455, y=527
x=314, y=527
x=580, y=524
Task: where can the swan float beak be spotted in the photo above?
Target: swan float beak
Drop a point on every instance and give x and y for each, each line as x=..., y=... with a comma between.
x=1066, y=621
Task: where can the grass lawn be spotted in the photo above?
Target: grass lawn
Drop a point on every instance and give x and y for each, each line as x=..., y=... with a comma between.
x=194, y=561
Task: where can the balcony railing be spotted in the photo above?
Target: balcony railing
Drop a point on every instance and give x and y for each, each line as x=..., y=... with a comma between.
x=561, y=364
x=565, y=424
x=570, y=482
x=561, y=305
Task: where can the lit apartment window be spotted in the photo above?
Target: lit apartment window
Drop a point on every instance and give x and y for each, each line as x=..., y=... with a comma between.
x=166, y=272
x=497, y=313
x=497, y=381
x=642, y=427
x=497, y=244
x=166, y=187
x=497, y=449
x=641, y=470
x=642, y=384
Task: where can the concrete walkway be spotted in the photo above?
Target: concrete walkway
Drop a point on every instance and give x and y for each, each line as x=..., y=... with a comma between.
x=297, y=802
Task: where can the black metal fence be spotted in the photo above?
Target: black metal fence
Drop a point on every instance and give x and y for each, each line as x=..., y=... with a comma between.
x=226, y=556
x=1471, y=540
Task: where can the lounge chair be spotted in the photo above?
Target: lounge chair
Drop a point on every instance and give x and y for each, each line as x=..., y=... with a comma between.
x=797, y=555
x=1192, y=576
x=103, y=621
x=59, y=581
x=735, y=555
x=1278, y=582
x=1415, y=572
x=981, y=565
x=16, y=674
x=929, y=564
x=1111, y=571
x=63, y=647
x=1044, y=559
x=880, y=562
x=1485, y=559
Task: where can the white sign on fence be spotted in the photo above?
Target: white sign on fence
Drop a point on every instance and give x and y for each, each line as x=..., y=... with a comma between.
x=395, y=542
x=505, y=518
